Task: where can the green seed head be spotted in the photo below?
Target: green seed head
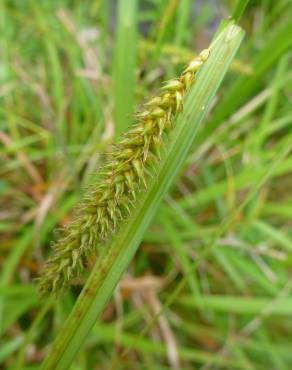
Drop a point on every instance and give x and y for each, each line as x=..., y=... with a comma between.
x=109, y=201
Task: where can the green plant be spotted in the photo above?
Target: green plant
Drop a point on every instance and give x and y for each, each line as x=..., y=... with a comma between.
x=110, y=199
x=108, y=270
x=210, y=284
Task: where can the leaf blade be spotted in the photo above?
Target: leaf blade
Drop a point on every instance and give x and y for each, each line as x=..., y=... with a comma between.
x=109, y=269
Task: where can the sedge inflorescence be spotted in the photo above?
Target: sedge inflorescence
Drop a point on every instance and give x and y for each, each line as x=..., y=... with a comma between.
x=108, y=202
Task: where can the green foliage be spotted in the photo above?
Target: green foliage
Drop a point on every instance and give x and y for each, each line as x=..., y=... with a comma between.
x=109, y=269
x=209, y=286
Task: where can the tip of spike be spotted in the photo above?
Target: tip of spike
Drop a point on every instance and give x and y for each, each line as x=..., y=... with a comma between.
x=204, y=54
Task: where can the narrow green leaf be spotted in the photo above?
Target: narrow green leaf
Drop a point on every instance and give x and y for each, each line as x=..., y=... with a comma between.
x=279, y=42
x=243, y=305
x=124, y=64
x=239, y=9
x=108, y=270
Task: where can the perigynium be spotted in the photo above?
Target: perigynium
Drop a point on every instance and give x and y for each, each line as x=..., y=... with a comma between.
x=109, y=200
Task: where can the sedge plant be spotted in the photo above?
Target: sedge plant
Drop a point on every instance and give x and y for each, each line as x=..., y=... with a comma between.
x=137, y=174
x=110, y=199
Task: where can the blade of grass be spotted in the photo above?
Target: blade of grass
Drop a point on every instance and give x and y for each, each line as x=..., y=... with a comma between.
x=276, y=235
x=184, y=9
x=223, y=227
x=239, y=9
x=124, y=64
x=9, y=347
x=106, y=333
x=108, y=270
x=241, y=305
x=246, y=178
x=176, y=244
x=31, y=332
x=243, y=87
x=10, y=266
x=167, y=16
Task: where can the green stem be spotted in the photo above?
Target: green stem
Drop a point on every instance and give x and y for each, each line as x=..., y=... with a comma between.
x=239, y=9
x=124, y=63
x=108, y=269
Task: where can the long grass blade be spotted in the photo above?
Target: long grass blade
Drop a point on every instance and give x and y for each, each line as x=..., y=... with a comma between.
x=108, y=270
x=124, y=64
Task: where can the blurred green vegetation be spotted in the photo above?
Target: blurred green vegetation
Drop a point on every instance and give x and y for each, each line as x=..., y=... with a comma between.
x=71, y=74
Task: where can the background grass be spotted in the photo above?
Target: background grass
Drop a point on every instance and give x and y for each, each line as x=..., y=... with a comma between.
x=68, y=83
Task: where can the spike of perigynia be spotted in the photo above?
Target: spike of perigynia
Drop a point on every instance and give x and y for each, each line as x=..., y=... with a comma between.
x=111, y=198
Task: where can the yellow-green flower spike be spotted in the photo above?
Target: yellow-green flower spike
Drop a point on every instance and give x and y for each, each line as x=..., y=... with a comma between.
x=109, y=201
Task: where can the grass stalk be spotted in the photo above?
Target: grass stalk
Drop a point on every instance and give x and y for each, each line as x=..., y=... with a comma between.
x=108, y=269
x=124, y=63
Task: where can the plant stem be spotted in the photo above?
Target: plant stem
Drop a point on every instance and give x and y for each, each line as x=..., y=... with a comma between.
x=108, y=269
